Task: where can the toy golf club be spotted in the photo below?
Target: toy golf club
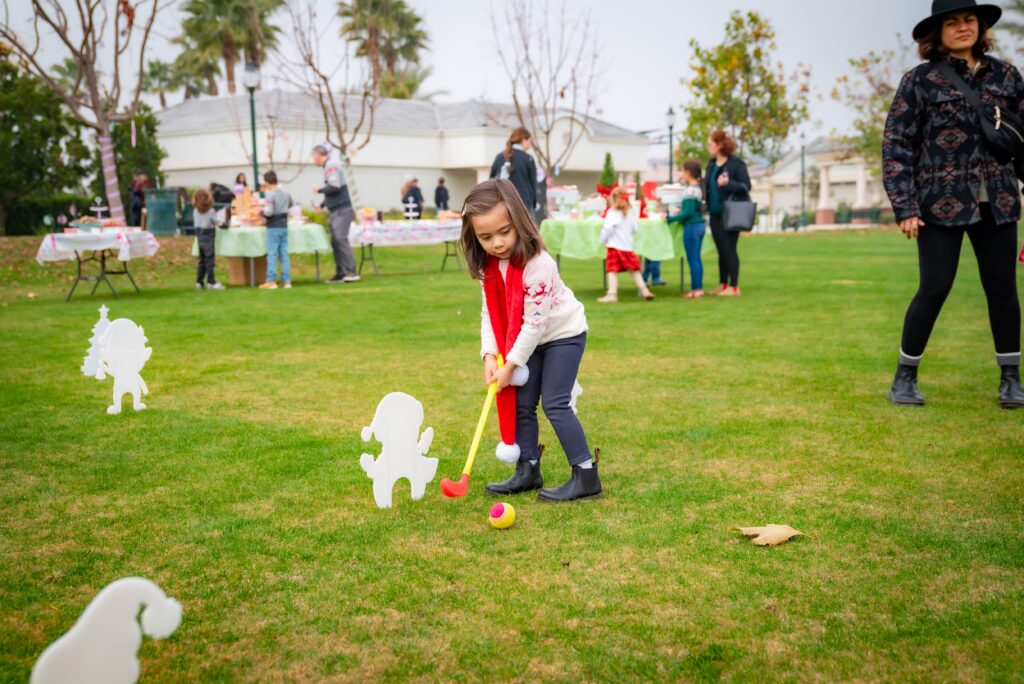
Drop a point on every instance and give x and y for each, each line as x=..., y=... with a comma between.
x=454, y=490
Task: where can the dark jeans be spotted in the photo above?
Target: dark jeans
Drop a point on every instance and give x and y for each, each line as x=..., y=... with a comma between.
x=938, y=249
x=693, y=240
x=553, y=369
x=206, y=238
x=652, y=271
x=728, y=256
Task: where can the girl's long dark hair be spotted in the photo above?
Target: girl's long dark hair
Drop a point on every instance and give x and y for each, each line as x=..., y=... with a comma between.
x=481, y=200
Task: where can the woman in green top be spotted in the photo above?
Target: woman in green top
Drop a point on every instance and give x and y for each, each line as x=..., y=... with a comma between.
x=693, y=226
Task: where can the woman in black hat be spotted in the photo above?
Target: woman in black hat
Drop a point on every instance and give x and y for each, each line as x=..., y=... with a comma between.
x=944, y=182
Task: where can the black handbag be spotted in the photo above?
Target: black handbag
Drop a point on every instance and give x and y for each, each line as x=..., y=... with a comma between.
x=1002, y=130
x=739, y=216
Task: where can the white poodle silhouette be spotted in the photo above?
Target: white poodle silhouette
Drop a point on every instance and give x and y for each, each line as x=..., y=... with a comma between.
x=102, y=646
x=396, y=425
x=123, y=353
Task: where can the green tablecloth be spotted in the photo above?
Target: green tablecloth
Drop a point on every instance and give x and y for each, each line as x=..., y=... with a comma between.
x=303, y=238
x=578, y=239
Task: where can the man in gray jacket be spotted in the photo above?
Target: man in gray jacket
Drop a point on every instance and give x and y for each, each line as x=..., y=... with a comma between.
x=340, y=213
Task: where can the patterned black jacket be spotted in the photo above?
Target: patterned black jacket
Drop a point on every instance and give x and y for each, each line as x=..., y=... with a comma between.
x=933, y=155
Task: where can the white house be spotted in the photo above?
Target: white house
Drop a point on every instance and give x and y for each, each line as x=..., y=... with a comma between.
x=833, y=176
x=209, y=140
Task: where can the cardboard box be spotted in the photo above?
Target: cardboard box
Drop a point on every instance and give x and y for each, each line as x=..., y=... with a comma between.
x=238, y=270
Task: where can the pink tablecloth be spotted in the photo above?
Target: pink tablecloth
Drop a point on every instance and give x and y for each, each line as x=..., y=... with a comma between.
x=127, y=243
x=400, y=233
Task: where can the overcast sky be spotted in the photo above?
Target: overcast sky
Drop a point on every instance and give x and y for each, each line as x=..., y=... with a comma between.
x=646, y=45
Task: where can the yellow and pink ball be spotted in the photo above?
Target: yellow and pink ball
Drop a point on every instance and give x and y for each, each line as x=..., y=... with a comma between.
x=502, y=516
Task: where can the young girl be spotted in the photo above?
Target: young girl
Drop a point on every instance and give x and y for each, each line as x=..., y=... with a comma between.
x=690, y=218
x=204, y=218
x=619, y=227
x=536, y=324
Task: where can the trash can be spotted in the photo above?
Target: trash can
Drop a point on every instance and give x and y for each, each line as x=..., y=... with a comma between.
x=161, y=211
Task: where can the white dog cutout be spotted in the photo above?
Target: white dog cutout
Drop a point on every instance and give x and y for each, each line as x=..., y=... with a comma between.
x=396, y=425
x=123, y=353
x=102, y=647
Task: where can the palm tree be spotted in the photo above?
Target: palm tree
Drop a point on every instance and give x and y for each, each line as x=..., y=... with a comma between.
x=159, y=79
x=366, y=22
x=261, y=35
x=196, y=68
x=406, y=82
x=386, y=32
x=232, y=27
x=405, y=42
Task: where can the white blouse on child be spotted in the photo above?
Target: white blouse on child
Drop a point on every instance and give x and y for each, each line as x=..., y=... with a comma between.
x=619, y=230
x=550, y=311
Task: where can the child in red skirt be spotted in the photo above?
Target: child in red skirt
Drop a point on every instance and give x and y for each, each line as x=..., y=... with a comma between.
x=619, y=228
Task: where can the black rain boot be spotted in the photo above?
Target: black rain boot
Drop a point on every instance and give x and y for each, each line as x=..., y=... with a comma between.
x=904, y=387
x=583, y=483
x=1011, y=396
x=526, y=478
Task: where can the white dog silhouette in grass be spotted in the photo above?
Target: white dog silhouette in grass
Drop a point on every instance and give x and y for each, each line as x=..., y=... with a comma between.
x=396, y=425
x=102, y=646
x=123, y=354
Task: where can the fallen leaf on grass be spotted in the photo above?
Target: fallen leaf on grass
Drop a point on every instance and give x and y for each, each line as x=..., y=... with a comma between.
x=770, y=535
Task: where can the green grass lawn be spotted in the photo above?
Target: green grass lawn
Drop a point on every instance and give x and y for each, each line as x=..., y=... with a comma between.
x=239, y=491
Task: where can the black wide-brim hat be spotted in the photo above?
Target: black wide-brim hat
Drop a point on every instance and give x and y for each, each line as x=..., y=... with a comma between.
x=988, y=13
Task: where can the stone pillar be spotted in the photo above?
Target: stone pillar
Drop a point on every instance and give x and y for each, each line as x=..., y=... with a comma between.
x=826, y=213
x=482, y=175
x=861, y=205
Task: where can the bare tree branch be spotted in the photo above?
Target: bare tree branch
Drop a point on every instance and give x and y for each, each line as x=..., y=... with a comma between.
x=98, y=103
x=553, y=67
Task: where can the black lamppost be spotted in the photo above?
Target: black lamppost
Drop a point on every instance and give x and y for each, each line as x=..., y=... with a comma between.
x=670, y=119
x=803, y=179
x=251, y=80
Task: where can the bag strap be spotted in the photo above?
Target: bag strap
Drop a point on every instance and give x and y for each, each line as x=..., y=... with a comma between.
x=970, y=93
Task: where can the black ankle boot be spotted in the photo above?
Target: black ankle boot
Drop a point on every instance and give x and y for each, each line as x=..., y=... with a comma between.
x=1011, y=396
x=583, y=483
x=904, y=387
x=526, y=478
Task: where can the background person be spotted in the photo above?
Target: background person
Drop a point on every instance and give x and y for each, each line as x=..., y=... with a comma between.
x=340, y=213
x=518, y=167
x=726, y=180
x=943, y=182
x=276, y=203
x=412, y=198
x=441, y=195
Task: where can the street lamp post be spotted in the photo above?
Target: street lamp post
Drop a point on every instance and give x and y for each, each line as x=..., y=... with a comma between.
x=670, y=119
x=251, y=81
x=803, y=179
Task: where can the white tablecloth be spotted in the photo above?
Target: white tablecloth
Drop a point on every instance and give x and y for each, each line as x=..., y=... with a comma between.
x=401, y=233
x=128, y=244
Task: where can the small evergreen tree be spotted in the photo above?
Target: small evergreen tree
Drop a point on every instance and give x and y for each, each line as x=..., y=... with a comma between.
x=608, y=177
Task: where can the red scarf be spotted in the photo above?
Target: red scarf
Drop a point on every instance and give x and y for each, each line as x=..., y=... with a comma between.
x=505, y=307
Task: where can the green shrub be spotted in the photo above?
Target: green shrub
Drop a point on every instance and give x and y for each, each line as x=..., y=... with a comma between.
x=28, y=215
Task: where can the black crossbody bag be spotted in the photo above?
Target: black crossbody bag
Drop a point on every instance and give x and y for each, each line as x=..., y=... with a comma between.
x=1002, y=131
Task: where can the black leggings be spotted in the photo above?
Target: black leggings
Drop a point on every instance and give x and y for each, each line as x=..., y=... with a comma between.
x=938, y=249
x=728, y=256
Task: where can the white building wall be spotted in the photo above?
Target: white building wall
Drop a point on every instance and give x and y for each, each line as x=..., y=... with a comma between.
x=462, y=157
